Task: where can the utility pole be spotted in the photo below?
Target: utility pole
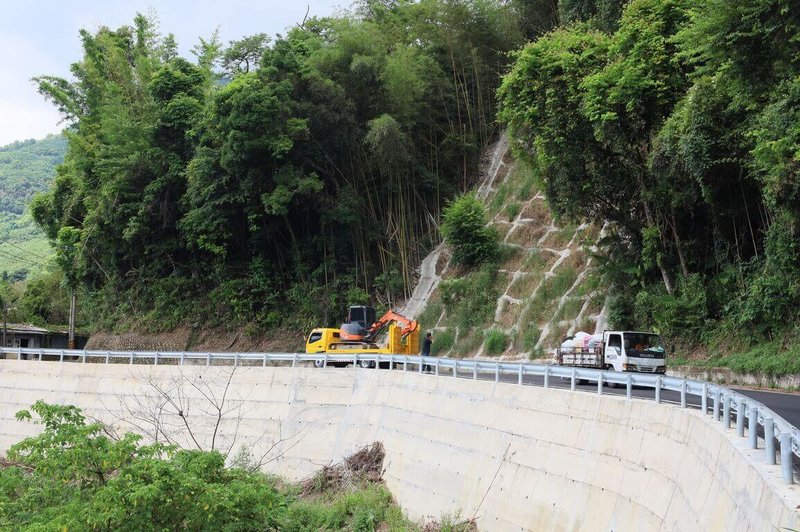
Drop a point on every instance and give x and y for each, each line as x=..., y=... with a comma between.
x=5, y=322
x=71, y=336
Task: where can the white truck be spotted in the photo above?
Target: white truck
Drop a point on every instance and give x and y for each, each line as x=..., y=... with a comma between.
x=615, y=350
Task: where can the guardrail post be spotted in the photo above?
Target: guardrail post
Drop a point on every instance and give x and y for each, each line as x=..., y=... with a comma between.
x=497, y=372
x=436, y=366
x=599, y=382
x=572, y=380
x=717, y=398
x=752, y=427
x=61, y=356
x=519, y=375
x=421, y=365
x=325, y=361
x=208, y=359
x=294, y=359
x=131, y=359
x=455, y=368
x=786, y=457
x=547, y=376
x=741, y=404
x=474, y=371
x=658, y=390
x=726, y=411
x=84, y=357
x=683, y=394
x=769, y=439
x=629, y=386
x=236, y=360
x=108, y=355
x=264, y=361
x=183, y=356
x=41, y=354
x=405, y=363
x=155, y=359
x=704, y=399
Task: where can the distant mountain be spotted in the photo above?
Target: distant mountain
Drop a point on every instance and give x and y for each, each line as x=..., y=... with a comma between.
x=28, y=167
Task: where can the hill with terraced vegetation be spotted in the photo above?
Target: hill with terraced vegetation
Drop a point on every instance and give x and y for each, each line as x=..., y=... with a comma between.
x=541, y=286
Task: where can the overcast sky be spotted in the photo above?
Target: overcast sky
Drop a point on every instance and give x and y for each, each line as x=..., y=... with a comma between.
x=41, y=37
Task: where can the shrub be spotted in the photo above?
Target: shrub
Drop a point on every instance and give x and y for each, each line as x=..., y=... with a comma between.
x=442, y=342
x=464, y=228
x=496, y=341
x=512, y=210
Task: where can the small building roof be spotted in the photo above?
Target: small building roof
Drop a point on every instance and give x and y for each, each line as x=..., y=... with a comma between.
x=21, y=328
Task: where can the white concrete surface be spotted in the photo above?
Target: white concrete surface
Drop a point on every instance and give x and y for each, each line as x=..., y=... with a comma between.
x=518, y=458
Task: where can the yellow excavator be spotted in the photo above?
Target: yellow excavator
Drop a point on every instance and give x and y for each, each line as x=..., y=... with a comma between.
x=360, y=334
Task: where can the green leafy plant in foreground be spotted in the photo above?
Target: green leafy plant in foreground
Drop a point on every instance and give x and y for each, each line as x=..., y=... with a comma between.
x=75, y=476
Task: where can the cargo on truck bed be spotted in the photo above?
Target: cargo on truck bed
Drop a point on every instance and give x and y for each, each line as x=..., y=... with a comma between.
x=631, y=351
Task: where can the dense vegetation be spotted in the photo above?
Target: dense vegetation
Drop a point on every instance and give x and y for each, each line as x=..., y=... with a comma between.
x=74, y=476
x=271, y=180
x=679, y=125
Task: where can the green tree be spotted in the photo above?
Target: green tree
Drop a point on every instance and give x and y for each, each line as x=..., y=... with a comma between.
x=464, y=227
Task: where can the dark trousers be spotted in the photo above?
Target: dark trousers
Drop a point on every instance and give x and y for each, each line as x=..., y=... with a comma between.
x=426, y=367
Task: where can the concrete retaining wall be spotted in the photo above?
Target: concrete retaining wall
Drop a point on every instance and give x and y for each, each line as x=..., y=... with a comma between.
x=518, y=458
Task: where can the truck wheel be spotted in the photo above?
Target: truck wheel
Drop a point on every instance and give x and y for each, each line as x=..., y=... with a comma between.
x=366, y=364
x=318, y=364
x=611, y=384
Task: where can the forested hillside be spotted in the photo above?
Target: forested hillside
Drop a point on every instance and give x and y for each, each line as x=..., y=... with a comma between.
x=273, y=180
x=680, y=126
x=270, y=180
x=26, y=167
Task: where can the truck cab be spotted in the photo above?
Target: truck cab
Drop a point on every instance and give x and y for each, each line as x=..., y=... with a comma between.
x=634, y=351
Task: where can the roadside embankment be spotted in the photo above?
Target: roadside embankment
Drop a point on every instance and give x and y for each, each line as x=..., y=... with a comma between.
x=516, y=457
x=730, y=377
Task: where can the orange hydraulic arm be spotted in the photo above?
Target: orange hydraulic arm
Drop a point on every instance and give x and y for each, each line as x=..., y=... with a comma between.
x=408, y=324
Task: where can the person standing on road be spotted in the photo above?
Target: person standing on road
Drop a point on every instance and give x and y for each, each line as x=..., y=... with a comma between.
x=426, y=350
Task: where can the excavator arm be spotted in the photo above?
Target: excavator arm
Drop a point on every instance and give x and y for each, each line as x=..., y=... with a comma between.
x=408, y=325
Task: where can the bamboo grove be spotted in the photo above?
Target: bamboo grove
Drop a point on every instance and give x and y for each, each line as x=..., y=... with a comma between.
x=270, y=177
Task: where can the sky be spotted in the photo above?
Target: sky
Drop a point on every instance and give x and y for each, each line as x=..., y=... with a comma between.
x=41, y=37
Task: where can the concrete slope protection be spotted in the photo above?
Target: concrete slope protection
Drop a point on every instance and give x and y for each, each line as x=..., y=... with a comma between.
x=515, y=457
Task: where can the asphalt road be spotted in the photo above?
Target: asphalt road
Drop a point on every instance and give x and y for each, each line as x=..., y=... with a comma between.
x=786, y=405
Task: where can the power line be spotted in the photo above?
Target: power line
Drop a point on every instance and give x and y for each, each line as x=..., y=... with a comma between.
x=8, y=255
x=26, y=251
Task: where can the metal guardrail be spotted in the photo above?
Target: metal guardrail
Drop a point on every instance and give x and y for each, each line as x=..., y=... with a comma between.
x=725, y=405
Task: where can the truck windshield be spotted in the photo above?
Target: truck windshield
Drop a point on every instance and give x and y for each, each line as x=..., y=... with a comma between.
x=644, y=345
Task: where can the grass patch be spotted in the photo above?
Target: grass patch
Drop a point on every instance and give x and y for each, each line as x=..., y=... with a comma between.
x=770, y=358
x=569, y=310
x=523, y=286
x=559, y=238
x=468, y=343
x=430, y=315
x=499, y=199
x=512, y=210
x=544, y=305
x=442, y=342
x=496, y=341
x=366, y=508
x=470, y=300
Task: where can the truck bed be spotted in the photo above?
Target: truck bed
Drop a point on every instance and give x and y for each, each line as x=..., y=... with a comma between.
x=582, y=357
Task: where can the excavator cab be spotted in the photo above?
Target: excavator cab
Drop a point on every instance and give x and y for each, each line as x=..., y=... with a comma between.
x=364, y=316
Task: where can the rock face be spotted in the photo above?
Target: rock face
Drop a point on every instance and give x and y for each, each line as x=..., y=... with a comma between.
x=546, y=286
